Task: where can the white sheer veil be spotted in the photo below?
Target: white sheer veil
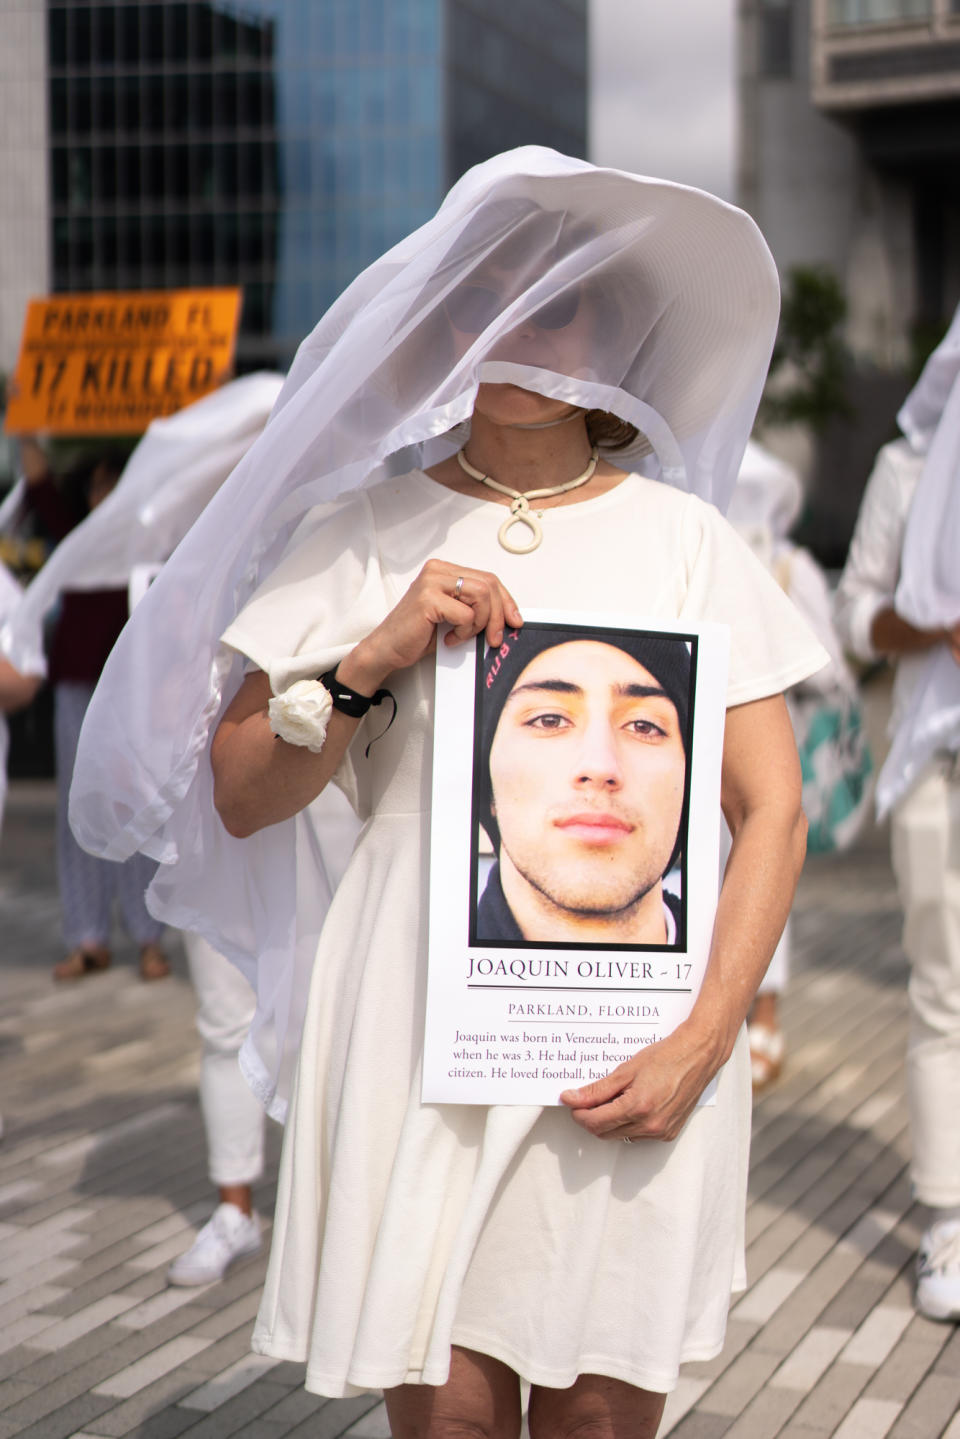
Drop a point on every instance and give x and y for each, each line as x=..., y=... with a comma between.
x=928, y=592
x=177, y=465
x=676, y=302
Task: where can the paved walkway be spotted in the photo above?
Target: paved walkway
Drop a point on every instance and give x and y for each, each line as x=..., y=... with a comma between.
x=102, y=1179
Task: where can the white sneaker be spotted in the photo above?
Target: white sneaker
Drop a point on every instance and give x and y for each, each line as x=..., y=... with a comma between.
x=938, y=1271
x=229, y=1234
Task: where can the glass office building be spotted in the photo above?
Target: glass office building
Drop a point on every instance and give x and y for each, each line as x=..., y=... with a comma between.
x=284, y=144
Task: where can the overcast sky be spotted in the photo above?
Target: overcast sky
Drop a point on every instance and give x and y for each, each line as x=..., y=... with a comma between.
x=662, y=82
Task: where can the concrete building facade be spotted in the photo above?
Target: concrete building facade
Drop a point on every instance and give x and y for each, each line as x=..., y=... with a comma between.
x=277, y=144
x=24, y=167
x=849, y=158
x=850, y=155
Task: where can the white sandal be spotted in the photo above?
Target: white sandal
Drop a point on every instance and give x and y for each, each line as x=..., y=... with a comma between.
x=767, y=1048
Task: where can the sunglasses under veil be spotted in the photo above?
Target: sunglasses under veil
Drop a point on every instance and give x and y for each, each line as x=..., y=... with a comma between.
x=472, y=308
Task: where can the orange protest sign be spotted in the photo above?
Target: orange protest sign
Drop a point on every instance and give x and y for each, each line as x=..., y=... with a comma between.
x=110, y=363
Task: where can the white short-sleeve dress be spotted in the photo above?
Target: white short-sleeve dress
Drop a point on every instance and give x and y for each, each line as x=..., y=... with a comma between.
x=404, y=1228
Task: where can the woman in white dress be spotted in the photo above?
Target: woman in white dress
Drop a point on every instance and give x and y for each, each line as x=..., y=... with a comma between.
x=445, y=1253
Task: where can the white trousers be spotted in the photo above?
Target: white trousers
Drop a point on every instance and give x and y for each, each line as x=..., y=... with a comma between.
x=233, y=1119
x=926, y=860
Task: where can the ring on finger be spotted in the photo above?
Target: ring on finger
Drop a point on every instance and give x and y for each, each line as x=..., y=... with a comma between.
x=458, y=587
x=627, y=1139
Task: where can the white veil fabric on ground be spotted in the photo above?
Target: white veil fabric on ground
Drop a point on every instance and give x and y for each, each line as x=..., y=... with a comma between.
x=928, y=592
x=169, y=478
x=651, y=300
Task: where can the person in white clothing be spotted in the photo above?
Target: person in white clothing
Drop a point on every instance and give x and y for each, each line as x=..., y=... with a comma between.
x=596, y=343
x=925, y=840
x=763, y=509
x=233, y=1117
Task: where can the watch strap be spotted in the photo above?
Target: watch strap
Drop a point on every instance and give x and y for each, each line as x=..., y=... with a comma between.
x=349, y=701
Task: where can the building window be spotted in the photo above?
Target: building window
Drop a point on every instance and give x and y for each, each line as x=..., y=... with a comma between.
x=776, y=39
x=880, y=12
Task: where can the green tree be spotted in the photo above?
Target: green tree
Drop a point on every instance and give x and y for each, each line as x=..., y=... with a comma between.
x=807, y=383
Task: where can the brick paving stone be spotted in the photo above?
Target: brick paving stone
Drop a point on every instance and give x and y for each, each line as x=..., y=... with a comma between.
x=805, y=1365
x=22, y=1330
x=226, y=1320
x=765, y=1415
x=130, y=1415
x=791, y=1322
x=905, y=1368
x=30, y=1279
x=14, y=1362
x=147, y=1312
x=44, y=1297
x=698, y=1425
x=857, y=1300
x=230, y=1381
x=949, y=1359
x=930, y=1409
x=869, y=1419
x=152, y=1366
x=88, y=1289
x=333, y=1420
x=296, y=1406
x=29, y=1252
x=763, y=1299
x=876, y=1336
x=224, y=1352
x=832, y=1398
x=167, y=1423
x=795, y=1430
x=288, y=1372
x=12, y=1391
x=162, y=1394
x=374, y=1425
x=745, y=1377
x=262, y=1428
x=107, y=1350
x=61, y=1423
x=59, y=1335
x=252, y=1403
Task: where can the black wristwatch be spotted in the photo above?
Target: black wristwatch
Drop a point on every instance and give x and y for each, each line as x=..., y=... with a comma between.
x=350, y=702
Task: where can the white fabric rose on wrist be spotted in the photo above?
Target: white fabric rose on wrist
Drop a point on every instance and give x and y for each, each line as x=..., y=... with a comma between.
x=301, y=713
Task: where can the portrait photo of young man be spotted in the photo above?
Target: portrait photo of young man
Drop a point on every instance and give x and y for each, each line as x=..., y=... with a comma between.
x=580, y=788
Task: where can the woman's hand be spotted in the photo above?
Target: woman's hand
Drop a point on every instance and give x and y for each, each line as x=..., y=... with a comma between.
x=259, y=780
x=472, y=601
x=651, y=1095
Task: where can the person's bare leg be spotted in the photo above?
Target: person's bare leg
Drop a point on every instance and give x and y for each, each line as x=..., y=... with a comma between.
x=595, y=1408
x=240, y=1195
x=480, y=1400
x=765, y=1010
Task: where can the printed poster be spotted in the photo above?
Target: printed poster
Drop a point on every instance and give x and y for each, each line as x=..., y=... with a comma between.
x=109, y=363
x=574, y=850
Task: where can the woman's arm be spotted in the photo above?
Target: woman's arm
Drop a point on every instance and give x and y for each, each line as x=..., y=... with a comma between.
x=260, y=780
x=653, y=1094
x=891, y=634
x=16, y=690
